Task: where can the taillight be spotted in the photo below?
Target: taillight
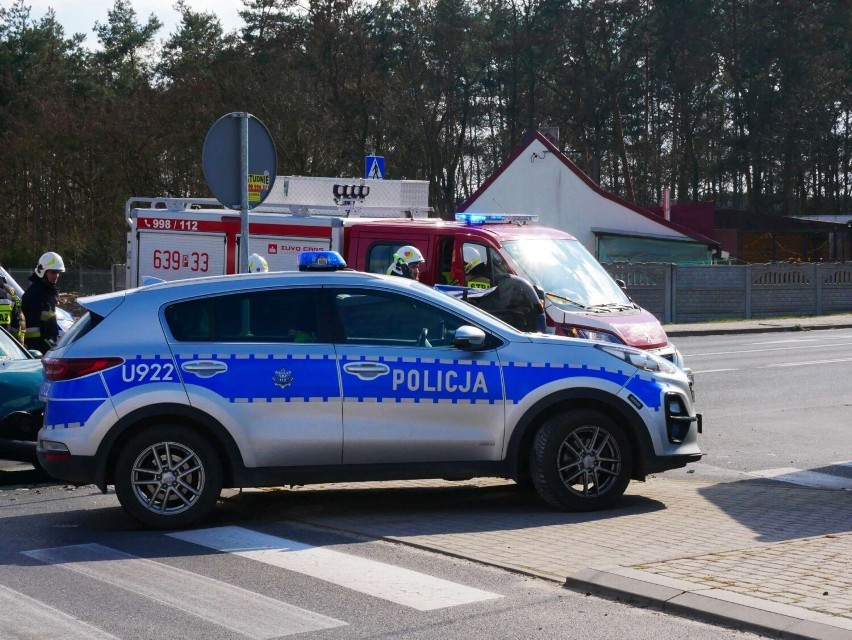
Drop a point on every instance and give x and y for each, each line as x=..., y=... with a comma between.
x=69, y=368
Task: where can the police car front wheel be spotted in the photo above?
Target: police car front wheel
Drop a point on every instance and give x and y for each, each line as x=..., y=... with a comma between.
x=581, y=460
x=168, y=477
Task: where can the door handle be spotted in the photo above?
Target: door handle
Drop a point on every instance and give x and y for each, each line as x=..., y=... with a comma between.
x=366, y=370
x=204, y=368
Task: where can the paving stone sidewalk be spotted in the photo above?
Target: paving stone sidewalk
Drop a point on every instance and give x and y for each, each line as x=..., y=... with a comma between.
x=760, y=325
x=754, y=554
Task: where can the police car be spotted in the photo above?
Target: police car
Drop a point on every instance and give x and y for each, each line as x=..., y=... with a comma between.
x=173, y=391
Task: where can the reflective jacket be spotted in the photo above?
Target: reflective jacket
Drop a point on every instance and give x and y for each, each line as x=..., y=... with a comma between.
x=11, y=316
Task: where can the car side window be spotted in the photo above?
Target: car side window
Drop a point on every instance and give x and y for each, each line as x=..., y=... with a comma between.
x=256, y=316
x=380, y=256
x=390, y=319
x=482, y=265
x=190, y=321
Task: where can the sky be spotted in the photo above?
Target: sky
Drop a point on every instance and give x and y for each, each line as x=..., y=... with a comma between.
x=79, y=16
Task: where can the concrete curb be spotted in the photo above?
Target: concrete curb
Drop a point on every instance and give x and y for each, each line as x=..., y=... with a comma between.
x=705, y=603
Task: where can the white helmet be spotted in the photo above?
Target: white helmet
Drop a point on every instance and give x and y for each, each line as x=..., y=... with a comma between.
x=472, y=257
x=405, y=256
x=50, y=261
x=257, y=263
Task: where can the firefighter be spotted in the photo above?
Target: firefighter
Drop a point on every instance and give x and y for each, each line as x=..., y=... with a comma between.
x=257, y=264
x=39, y=303
x=407, y=261
x=11, y=315
x=475, y=268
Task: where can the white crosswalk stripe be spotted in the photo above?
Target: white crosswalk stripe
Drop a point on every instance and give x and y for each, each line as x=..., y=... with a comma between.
x=395, y=584
x=247, y=613
x=807, y=478
x=25, y=617
x=238, y=610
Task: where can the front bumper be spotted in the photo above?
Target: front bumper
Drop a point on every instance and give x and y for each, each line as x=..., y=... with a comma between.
x=658, y=464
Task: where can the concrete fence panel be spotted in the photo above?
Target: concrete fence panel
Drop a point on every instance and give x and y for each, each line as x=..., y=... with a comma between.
x=836, y=283
x=699, y=293
x=702, y=293
x=783, y=289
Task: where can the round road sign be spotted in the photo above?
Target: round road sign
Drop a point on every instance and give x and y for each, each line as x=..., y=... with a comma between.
x=221, y=160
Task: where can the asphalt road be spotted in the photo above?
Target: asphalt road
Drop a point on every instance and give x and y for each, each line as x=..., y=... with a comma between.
x=774, y=401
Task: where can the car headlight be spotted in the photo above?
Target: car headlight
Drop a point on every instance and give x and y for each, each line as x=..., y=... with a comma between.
x=639, y=359
x=589, y=334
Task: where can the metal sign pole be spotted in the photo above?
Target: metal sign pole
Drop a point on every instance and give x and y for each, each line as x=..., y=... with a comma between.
x=244, y=191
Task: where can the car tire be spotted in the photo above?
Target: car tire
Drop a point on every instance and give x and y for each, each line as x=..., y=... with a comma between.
x=168, y=477
x=581, y=460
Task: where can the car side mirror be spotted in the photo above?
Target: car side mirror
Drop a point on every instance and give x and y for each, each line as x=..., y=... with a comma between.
x=35, y=353
x=539, y=292
x=468, y=337
x=621, y=284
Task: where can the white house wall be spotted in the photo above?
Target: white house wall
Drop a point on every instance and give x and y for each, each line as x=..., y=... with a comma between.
x=538, y=182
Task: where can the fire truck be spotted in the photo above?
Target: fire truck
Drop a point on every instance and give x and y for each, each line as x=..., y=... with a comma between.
x=172, y=239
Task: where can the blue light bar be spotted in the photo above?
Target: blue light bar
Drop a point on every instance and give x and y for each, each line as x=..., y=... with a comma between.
x=470, y=218
x=321, y=261
x=495, y=218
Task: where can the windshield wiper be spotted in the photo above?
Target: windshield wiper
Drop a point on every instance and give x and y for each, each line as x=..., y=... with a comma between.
x=559, y=298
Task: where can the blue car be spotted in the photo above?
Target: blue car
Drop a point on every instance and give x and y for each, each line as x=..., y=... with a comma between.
x=21, y=411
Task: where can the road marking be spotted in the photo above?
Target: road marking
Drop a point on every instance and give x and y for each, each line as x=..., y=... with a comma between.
x=25, y=617
x=801, y=364
x=395, y=584
x=779, y=364
x=242, y=611
x=790, y=341
x=738, y=351
x=807, y=478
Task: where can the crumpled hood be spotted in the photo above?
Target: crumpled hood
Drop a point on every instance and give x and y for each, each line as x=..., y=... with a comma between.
x=636, y=327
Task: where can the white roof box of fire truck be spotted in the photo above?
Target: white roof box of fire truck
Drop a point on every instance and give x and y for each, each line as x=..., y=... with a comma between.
x=329, y=196
x=305, y=196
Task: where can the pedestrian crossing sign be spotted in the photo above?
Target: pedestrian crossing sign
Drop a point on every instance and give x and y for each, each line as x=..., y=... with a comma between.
x=374, y=167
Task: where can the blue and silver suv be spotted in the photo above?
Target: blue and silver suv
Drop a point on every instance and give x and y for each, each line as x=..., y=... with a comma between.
x=173, y=391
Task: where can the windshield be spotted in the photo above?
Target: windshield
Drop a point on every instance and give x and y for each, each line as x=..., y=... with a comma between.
x=564, y=268
x=11, y=281
x=11, y=349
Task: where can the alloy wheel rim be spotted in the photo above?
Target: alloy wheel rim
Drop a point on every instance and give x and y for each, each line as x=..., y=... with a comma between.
x=589, y=461
x=168, y=478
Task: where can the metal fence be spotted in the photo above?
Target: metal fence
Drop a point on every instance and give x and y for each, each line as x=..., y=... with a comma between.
x=695, y=293
x=83, y=282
